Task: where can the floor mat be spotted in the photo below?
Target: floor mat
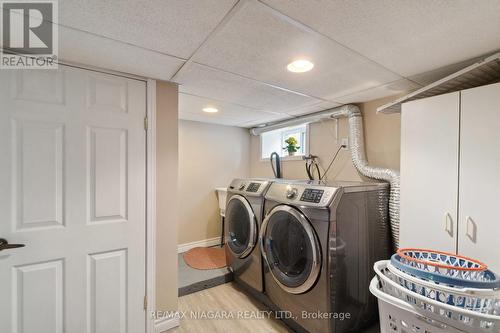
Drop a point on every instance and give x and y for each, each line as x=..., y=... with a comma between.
x=192, y=280
x=205, y=258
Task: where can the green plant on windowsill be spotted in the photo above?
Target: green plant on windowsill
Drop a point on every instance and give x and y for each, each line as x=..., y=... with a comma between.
x=291, y=147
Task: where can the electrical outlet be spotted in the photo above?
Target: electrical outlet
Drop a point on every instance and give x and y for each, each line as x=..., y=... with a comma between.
x=345, y=142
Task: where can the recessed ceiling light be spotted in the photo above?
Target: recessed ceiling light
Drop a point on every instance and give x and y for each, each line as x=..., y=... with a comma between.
x=300, y=66
x=210, y=110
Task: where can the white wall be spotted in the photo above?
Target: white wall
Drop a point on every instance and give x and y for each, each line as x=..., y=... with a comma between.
x=210, y=156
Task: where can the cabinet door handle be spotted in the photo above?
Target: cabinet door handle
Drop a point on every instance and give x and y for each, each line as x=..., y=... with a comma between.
x=470, y=229
x=448, y=223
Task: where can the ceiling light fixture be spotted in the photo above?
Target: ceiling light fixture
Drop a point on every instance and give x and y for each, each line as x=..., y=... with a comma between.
x=300, y=66
x=210, y=110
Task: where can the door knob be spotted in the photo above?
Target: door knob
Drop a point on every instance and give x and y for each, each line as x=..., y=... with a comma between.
x=4, y=245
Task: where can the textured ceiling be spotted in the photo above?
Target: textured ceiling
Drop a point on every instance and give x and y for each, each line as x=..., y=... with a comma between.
x=233, y=54
x=172, y=27
x=406, y=36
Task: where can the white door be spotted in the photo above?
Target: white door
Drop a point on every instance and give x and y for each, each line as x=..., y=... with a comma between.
x=72, y=189
x=479, y=228
x=429, y=172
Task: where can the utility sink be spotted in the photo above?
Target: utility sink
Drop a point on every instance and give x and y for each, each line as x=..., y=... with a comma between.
x=221, y=196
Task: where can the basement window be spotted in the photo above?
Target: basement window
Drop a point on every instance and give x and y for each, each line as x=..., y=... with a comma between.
x=274, y=141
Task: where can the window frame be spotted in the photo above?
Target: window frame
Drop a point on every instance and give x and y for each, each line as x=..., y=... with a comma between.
x=289, y=158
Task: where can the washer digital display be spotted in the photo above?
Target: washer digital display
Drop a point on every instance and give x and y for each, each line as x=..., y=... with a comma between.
x=253, y=187
x=312, y=195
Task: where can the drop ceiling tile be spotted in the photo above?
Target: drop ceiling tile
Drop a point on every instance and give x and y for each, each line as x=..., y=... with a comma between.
x=258, y=43
x=263, y=118
x=255, y=123
x=175, y=27
x=408, y=37
x=203, y=119
x=190, y=108
x=229, y=121
x=83, y=48
x=313, y=108
x=390, y=89
x=196, y=79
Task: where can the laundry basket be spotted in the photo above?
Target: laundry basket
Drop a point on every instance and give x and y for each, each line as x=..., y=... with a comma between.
x=439, y=316
x=447, y=268
x=476, y=299
x=397, y=316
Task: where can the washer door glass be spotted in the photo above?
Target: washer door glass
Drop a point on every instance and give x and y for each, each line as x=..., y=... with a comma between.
x=291, y=249
x=241, y=226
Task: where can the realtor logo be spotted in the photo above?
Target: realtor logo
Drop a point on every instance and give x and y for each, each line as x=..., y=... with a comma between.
x=29, y=34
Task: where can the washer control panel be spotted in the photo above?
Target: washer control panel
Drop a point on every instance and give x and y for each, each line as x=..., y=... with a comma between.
x=312, y=195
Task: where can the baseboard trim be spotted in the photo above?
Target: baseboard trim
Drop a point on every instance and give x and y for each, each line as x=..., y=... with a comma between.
x=202, y=243
x=165, y=324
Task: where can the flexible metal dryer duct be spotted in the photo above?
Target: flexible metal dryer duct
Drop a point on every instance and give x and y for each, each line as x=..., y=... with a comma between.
x=358, y=155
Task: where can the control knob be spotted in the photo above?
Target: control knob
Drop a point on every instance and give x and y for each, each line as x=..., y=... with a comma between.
x=242, y=187
x=291, y=192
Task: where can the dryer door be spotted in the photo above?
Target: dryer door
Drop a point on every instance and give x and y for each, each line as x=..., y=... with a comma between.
x=241, y=226
x=291, y=249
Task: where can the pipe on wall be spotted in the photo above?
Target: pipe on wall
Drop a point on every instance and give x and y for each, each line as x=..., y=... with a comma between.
x=309, y=118
x=358, y=154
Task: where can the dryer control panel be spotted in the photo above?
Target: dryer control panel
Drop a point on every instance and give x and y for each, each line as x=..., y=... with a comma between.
x=252, y=187
x=302, y=194
x=316, y=193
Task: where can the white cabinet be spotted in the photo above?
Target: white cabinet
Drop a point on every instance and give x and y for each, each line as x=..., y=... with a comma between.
x=429, y=172
x=450, y=182
x=479, y=198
